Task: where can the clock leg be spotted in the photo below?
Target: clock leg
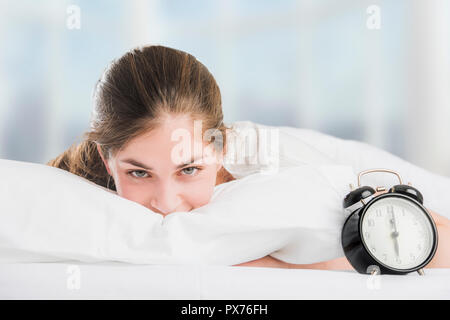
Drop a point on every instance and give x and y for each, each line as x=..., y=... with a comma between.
x=421, y=272
x=373, y=270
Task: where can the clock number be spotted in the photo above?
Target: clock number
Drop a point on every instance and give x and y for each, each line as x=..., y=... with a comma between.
x=390, y=209
x=378, y=213
x=370, y=222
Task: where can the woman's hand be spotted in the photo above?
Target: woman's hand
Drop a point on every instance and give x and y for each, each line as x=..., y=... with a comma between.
x=441, y=258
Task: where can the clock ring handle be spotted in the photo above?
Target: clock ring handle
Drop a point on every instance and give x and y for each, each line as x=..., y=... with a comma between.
x=377, y=170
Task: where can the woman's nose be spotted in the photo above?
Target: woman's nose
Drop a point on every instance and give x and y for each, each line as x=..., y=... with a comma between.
x=166, y=201
x=162, y=209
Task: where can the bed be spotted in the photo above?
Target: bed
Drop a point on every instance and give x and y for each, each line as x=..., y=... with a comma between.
x=113, y=280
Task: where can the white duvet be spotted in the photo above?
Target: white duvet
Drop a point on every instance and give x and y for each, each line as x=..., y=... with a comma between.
x=293, y=214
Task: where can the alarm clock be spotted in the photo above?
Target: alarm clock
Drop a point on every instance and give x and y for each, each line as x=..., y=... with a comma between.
x=388, y=233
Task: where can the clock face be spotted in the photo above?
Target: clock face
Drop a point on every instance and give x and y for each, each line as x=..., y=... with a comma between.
x=397, y=233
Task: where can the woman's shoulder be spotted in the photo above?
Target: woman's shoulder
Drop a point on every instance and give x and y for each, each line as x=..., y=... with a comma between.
x=254, y=147
x=285, y=133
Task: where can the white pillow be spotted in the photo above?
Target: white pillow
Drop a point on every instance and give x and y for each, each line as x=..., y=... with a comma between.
x=48, y=214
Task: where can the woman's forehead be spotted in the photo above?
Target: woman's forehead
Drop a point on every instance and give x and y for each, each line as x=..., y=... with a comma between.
x=181, y=147
x=167, y=138
x=173, y=130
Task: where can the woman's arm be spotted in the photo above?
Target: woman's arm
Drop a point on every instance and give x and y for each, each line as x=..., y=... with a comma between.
x=271, y=262
x=440, y=260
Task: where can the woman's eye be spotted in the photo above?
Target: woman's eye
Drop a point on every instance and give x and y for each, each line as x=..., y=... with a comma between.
x=143, y=174
x=190, y=171
x=140, y=173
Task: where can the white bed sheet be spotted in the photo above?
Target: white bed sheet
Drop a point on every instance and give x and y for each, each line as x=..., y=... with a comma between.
x=113, y=280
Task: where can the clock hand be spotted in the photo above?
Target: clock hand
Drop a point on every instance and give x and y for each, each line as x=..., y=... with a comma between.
x=395, y=224
x=395, y=233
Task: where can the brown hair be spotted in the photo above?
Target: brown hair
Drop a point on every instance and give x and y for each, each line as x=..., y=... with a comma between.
x=132, y=96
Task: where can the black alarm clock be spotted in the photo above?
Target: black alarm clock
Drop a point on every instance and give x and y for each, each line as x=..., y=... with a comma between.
x=388, y=233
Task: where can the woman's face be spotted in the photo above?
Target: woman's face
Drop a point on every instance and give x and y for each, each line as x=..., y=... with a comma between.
x=155, y=169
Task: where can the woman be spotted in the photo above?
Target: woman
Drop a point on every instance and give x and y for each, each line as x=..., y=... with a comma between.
x=144, y=104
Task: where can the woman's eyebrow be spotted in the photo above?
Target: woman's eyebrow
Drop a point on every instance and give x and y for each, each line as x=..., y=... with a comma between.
x=138, y=164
